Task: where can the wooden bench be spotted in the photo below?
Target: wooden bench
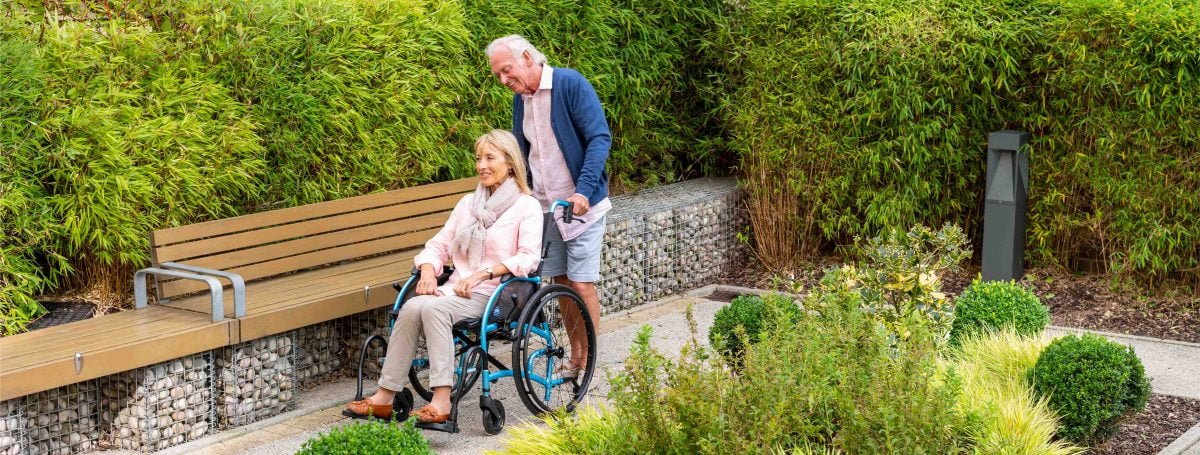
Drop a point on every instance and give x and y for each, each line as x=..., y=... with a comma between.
x=300, y=265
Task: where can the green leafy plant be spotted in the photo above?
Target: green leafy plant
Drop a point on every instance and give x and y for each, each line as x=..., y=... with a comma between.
x=899, y=280
x=1012, y=420
x=993, y=305
x=746, y=319
x=1091, y=383
x=369, y=438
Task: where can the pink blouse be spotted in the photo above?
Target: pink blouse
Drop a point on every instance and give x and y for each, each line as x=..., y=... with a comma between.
x=515, y=240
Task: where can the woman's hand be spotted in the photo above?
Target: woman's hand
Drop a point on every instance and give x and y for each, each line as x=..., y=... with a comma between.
x=464, y=286
x=427, y=284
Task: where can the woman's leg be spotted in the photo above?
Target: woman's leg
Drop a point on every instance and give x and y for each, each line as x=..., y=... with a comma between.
x=402, y=346
x=437, y=319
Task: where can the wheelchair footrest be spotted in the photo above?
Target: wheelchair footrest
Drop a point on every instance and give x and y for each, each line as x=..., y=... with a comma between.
x=449, y=426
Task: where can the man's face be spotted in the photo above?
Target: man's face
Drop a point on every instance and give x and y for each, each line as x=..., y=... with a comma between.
x=520, y=75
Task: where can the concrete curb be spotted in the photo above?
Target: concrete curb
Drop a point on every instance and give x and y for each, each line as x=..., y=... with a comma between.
x=1123, y=336
x=1187, y=444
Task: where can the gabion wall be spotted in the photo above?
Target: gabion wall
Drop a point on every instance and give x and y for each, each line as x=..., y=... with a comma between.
x=12, y=427
x=318, y=352
x=255, y=380
x=355, y=330
x=63, y=420
x=667, y=240
x=162, y=405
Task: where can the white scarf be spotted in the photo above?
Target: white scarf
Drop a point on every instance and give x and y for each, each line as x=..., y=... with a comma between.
x=486, y=208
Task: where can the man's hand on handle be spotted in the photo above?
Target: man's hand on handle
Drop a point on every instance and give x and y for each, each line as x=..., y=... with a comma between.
x=581, y=206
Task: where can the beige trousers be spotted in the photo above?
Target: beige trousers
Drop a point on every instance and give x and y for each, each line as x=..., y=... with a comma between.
x=434, y=316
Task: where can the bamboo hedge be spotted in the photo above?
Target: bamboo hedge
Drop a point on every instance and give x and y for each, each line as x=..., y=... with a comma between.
x=854, y=116
x=122, y=117
x=843, y=117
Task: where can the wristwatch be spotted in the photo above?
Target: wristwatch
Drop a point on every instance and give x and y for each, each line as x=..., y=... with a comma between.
x=490, y=275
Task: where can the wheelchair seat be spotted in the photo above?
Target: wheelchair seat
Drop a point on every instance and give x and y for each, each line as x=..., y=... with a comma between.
x=468, y=325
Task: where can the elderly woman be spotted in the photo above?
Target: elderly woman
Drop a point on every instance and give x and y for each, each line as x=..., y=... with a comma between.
x=491, y=232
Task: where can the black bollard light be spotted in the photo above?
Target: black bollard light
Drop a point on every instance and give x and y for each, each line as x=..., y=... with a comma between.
x=1004, y=205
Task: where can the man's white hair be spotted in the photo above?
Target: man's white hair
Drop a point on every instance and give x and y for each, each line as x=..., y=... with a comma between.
x=518, y=45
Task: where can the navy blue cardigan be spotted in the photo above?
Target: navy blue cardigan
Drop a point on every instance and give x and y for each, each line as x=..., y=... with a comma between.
x=582, y=131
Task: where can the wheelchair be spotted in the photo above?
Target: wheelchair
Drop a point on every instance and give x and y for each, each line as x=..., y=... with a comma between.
x=535, y=319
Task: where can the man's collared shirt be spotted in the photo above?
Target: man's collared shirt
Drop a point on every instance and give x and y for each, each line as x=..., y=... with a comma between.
x=551, y=177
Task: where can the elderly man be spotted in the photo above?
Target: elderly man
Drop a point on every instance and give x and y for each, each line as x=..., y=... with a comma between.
x=561, y=128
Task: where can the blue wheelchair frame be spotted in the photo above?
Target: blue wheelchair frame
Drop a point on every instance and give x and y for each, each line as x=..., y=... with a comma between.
x=463, y=347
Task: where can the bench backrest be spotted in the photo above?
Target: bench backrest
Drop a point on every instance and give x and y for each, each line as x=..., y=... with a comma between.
x=267, y=244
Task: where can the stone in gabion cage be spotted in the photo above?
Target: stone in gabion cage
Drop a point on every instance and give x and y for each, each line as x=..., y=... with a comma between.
x=255, y=380
x=159, y=406
x=318, y=356
x=355, y=330
x=623, y=266
x=667, y=240
x=12, y=427
x=63, y=420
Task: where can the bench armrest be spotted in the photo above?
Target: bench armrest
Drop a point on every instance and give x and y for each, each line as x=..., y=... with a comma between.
x=214, y=286
x=239, y=285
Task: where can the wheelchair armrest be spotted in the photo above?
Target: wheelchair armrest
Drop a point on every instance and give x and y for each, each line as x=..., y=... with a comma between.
x=416, y=271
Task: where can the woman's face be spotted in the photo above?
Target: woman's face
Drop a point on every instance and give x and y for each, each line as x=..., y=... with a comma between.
x=492, y=166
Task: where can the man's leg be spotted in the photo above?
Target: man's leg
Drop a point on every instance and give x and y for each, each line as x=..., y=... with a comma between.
x=583, y=270
x=574, y=320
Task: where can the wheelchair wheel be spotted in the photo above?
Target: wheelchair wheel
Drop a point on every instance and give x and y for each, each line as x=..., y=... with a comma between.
x=543, y=349
x=418, y=375
x=493, y=415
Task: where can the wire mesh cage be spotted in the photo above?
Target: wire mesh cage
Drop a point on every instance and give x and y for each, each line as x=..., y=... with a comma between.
x=255, y=380
x=355, y=329
x=668, y=239
x=13, y=438
x=318, y=352
x=159, y=406
x=63, y=420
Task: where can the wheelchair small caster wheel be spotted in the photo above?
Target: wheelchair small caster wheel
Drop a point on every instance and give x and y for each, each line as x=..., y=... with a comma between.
x=493, y=415
x=402, y=405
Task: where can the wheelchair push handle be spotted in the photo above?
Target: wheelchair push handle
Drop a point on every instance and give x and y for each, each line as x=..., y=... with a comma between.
x=568, y=214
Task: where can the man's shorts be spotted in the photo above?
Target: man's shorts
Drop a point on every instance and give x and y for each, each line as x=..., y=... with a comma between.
x=578, y=258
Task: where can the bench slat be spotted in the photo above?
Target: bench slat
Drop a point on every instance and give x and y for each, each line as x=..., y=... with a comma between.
x=72, y=333
x=100, y=340
x=306, y=287
x=425, y=225
x=304, y=261
x=155, y=342
x=305, y=212
x=183, y=252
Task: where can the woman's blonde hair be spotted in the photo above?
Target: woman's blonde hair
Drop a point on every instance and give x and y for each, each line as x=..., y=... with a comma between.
x=504, y=142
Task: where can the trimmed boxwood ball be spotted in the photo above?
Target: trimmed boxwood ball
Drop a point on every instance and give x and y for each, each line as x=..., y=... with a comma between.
x=753, y=314
x=1091, y=383
x=368, y=438
x=993, y=305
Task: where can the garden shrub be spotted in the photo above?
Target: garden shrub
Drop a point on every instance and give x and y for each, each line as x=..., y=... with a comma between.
x=830, y=381
x=993, y=305
x=746, y=319
x=993, y=367
x=370, y=438
x=1091, y=383
x=899, y=278
x=852, y=116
